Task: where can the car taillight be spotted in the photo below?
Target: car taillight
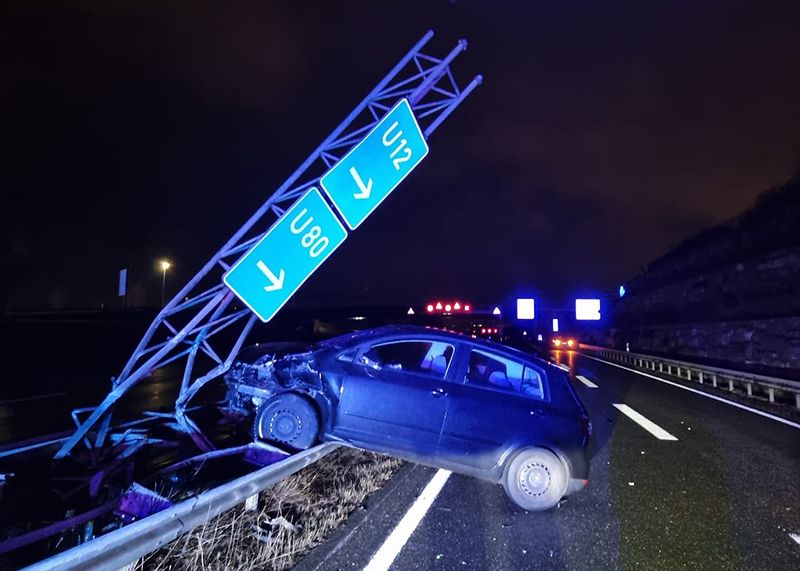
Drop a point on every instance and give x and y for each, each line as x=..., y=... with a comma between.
x=586, y=425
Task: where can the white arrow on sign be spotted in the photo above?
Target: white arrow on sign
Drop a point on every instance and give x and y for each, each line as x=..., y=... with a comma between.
x=366, y=189
x=276, y=282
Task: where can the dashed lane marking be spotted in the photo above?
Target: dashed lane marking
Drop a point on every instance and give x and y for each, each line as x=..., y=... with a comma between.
x=644, y=422
x=701, y=393
x=400, y=535
x=586, y=382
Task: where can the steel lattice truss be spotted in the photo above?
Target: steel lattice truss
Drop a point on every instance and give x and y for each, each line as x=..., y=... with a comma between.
x=188, y=326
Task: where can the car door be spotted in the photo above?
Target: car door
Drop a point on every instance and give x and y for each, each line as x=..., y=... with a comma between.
x=395, y=396
x=499, y=402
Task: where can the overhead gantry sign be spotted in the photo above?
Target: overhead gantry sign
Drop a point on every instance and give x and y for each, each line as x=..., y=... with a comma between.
x=267, y=276
x=358, y=165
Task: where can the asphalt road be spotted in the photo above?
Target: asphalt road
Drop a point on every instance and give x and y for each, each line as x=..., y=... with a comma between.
x=724, y=495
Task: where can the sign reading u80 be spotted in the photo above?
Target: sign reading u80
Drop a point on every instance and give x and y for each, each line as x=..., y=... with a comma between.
x=366, y=175
x=269, y=274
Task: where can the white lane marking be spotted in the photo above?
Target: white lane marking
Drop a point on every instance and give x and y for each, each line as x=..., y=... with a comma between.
x=644, y=422
x=586, y=382
x=387, y=553
x=795, y=536
x=708, y=395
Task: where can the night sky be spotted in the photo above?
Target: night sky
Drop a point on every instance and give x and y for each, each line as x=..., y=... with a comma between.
x=604, y=133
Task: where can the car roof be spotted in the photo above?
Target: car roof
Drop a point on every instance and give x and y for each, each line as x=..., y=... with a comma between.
x=402, y=330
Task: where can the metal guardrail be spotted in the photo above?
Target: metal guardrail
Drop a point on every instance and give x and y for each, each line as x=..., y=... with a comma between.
x=121, y=547
x=764, y=384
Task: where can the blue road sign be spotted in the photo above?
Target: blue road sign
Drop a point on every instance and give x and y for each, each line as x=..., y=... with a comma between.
x=296, y=245
x=366, y=175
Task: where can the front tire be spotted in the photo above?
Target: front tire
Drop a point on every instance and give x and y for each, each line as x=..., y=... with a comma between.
x=288, y=419
x=536, y=479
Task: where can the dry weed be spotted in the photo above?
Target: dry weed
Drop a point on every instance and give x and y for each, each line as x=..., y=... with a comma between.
x=294, y=516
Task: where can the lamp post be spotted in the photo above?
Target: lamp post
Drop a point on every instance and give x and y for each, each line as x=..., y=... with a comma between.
x=164, y=265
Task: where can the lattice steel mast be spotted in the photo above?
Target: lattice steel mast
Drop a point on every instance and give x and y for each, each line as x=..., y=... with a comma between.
x=203, y=308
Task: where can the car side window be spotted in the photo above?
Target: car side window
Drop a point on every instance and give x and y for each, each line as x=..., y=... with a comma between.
x=426, y=357
x=499, y=373
x=532, y=384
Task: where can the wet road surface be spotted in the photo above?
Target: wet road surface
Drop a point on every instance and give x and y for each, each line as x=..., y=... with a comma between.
x=678, y=481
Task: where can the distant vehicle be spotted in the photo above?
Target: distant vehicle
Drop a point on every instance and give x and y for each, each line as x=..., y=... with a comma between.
x=430, y=396
x=564, y=343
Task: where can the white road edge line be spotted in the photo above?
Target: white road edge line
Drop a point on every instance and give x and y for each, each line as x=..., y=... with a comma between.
x=586, y=381
x=644, y=422
x=701, y=393
x=796, y=537
x=390, y=549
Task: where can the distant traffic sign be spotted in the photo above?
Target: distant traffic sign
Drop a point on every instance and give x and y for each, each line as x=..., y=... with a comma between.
x=296, y=245
x=366, y=175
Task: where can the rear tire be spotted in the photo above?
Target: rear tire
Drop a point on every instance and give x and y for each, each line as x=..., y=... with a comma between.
x=288, y=419
x=536, y=479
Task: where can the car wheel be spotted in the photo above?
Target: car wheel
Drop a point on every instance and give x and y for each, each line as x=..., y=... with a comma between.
x=536, y=479
x=288, y=419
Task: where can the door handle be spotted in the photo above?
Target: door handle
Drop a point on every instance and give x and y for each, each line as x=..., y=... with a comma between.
x=438, y=393
x=538, y=412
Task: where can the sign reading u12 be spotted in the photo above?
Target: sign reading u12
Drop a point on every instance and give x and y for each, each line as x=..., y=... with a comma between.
x=293, y=248
x=366, y=175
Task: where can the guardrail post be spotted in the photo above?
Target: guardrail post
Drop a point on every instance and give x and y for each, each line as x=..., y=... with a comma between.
x=669, y=369
x=661, y=367
x=700, y=376
x=714, y=380
x=730, y=385
x=689, y=374
x=797, y=400
x=749, y=389
x=771, y=392
x=679, y=371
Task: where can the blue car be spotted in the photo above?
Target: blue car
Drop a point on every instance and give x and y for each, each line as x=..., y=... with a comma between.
x=434, y=397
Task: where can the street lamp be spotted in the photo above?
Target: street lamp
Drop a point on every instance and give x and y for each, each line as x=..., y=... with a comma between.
x=164, y=265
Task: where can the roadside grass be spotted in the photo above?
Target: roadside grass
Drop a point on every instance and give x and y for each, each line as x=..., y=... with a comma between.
x=293, y=516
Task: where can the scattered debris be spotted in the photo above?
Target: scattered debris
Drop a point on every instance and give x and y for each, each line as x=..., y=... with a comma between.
x=268, y=530
x=295, y=515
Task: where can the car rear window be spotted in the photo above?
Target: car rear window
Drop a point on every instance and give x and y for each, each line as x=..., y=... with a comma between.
x=500, y=373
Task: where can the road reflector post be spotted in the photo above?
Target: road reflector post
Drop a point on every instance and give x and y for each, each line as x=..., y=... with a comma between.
x=771, y=392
